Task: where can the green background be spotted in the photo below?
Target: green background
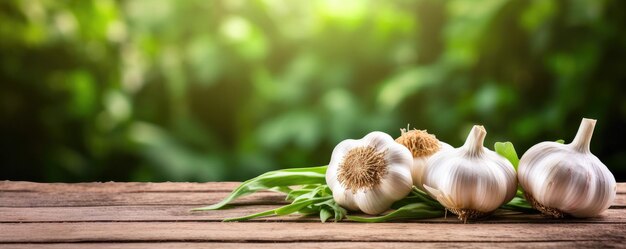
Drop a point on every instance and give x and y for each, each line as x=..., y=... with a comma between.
x=224, y=90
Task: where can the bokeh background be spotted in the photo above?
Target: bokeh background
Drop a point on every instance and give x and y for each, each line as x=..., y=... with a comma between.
x=197, y=90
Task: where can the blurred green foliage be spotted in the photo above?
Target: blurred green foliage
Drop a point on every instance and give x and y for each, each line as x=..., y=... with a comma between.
x=224, y=90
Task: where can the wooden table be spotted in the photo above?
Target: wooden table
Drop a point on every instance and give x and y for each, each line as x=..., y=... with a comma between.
x=155, y=215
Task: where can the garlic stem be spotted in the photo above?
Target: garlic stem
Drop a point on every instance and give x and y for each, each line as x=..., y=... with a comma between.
x=474, y=143
x=583, y=136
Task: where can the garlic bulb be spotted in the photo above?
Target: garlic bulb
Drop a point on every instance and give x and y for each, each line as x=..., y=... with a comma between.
x=422, y=145
x=470, y=181
x=561, y=179
x=369, y=174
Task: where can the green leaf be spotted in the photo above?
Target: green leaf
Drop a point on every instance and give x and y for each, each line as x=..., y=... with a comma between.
x=507, y=150
x=284, y=210
x=274, y=180
x=339, y=211
x=293, y=194
x=561, y=141
x=424, y=197
x=318, y=191
x=405, y=201
x=519, y=204
x=297, y=205
x=325, y=214
x=416, y=196
x=309, y=210
x=311, y=199
x=410, y=211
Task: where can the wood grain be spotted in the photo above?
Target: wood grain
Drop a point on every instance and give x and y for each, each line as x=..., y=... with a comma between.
x=322, y=245
x=117, y=187
x=78, y=199
x=103, y=197
x=156, y=215
x=181, y=213
x=296, y=232
x=125, y=187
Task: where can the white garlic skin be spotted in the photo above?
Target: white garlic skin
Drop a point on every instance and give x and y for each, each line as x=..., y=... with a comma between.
x=394, y=185
x=567, y=176
x=470, y=177
x=420, y=163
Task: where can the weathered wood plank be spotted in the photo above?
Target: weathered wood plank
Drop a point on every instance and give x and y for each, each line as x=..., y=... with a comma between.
x=182, y=213
x=321, y=244
x=620, y=200
x=69, y=199
x=78, y=199
x=117, y=187
x=138, y=187
x=297, y=232
x=131, y=215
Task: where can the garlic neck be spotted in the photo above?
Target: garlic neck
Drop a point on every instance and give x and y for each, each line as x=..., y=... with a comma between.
x=474, y=143
x=583, y=136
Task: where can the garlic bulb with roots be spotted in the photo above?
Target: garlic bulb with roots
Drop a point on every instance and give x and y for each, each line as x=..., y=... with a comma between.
x=560, y=179
x=369, y=174
x=471, y=181
x=422, y=146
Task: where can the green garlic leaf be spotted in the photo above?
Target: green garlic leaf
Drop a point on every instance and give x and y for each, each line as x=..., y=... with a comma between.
x=424, y=197
x=416, y=196
x=325, y=214
x=519, y=204
x=507, y=150
x=339, y=211
x=309, y=210
x=297, y=205
x=295, y=193
x=318, y=191
x=278, y=180
x=284, y=210
x=561, y=141
x=410, y=211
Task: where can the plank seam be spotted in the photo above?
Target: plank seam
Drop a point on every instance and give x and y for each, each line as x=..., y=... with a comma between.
x=187, y=204
x=306, y=241
x=148, y=204
x=314, y=221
